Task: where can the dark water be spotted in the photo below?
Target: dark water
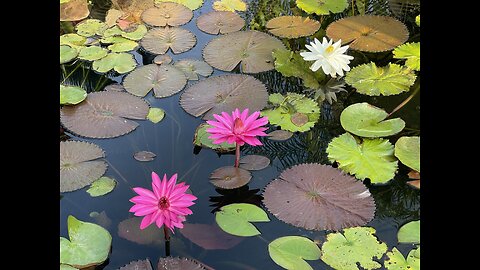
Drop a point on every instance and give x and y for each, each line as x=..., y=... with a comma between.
x=171, y=140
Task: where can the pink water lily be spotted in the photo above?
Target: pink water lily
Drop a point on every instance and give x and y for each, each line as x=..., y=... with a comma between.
x=166, y=205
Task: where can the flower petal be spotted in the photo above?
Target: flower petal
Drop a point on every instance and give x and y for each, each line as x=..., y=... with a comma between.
x=145, y=192
x=146, y=221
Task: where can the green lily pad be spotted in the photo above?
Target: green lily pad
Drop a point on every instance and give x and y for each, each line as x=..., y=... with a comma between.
x=67, y=54
x=355, y=245
x=417, y=20
x=373, y=158
x=201, y=139
x=229, y=5
x=92, y=53
x=322, y=7
x=71, y=95
x=235, y=218
x=409, y=233
x=73, y=40
x=396, y=261
x=365, y=120
x=293, y=112
x=407, y=150
x=89, y=244
x=410, y=52
x=155, y=115
x=290, y=252
x=125, y=46
x=191, y=4
x=67, y=267
x=120, y=62
x=374, y=81
x=292, y=64
x=102, y=186
x=137, y=34
x=89, y=28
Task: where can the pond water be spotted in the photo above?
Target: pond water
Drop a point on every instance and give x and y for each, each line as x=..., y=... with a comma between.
x=171, y=140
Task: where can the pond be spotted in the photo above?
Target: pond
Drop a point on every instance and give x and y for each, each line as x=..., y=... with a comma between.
x=171, y=140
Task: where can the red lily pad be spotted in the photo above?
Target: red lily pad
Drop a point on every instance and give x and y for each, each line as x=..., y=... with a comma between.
x=254, y=162
x=229, y=177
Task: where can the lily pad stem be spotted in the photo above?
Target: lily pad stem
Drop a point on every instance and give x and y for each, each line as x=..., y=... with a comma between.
x=237, y=155
x=404, y=102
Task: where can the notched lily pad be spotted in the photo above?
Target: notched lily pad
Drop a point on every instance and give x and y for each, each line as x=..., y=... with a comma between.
x=101, y=186
x=134, y=34
x=254, y=162
x=236, y=218
x=162, y=59
x=92, y=53
x=396, y=261
x=120, y=62
x=292, y=26
x=229, y=177
x=159, y=40
x=167, y=13
x=409, y=233
x=407, y=150
x=410, y=52
x=220, y=22
x=290, y=252
x=89, y=28
x=201, y=139
x=123, y=46
x=71, y=95
x=192, y=68
x=180, y=263
x=67, y=54
x=138, y=265
x=73, y=40
x=144, y=156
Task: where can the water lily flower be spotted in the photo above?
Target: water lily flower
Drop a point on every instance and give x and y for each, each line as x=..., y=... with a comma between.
x=330, y=57
x=166, y=205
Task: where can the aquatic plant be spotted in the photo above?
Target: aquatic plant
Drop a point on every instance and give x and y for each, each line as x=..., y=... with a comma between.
x=292, y=26
x=396, y=261
x=236, y=218
x=290, y=252
x=220, y=22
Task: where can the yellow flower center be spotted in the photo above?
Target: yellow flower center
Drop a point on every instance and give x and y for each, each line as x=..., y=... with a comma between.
x=329, y=49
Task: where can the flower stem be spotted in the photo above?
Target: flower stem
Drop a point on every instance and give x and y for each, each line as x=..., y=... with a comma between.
x=167, y=241
x=237, y=154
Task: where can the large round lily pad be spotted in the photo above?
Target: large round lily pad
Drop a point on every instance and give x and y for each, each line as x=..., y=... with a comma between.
x=120, y=62
x=165, y=80
x=138, y=265
x=410, y=52
x=407, y=150
x=80, y=164
x=167, y=13
x=225, y=93
x=71, y=95
x=74, y=10
x=409, y=233
x=369, y=33
x=104, y=114
x=254, y=162
x=251, y=49
x=290, y=252
x=229, y=177
x=180, y=263
x=319, y=197
x=192, y=68
x=292, y=26
x=220, y=22
x=236, y=218
x=159, y=40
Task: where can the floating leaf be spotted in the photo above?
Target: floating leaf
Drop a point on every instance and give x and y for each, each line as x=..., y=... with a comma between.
x=224, y=93
x=292, y=26
x=74, y=10
x=373, y=158
x=102, y=186
x=290, y=252
x=132, y=10
x=229, y=177
x=73, y=40
x=71, y=95
x=180, y=263
x=138, y=265
x=89, y=28
x=409, y=233
x=251, y=49
x=192, y=68
x=369, y=33
x=235, y=218
x=165, y=80
x=220, y=22
x=104, y=114
x=355, y=245
x=209, y=237
x=137, y=34
x=279, y=135
x=120, y=44
x=374, y=81
x=67, y=54
x=230, y=5
x=144, y=156
x=129, y=229
x=365, y=120
x=79, y=164
x=159, y=40
x=191, y=4
x=111, y=17
x=319, y=197
x=322, y=7
x=417, y=20
x=92, y=53
x=407, y=150
x=167, y=13
x=120, y=62
x=254, y=162
x=291, y=112
x=101, y=219
x=155, y=115
x=114, y=87
x=162, y=59
x=67, y=267
x=89, y=244
x=396, y=261
x=201, y=139
x=410, y=52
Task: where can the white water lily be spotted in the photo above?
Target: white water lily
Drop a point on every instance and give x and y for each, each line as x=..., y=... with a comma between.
x=329, y=56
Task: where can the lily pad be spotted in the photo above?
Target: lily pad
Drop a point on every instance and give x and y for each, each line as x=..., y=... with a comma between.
x=102, y=186
x=251, y=49
x=292, y=26
x=159, y=40
x=407, y=150
x=80, y=164
x=137, y=34
x=129, y=229
x=365, y=120
x=293, y=112
x=120, y=62
x=417, y=20
x=229, y=177
x=92, y=53
x=209, y=237
x=73, y=40
x=396, y=261
x=230, y=5
x=67, y=267
x=180, y=263
x=201, y=139
x=236, y=218
x=67, y=54
x=279, y=135
x=74, y=10
x=165, y=80
x=89, y=28
x=144, y=156
x=192, y=68
x=125, y=45
x=254, y=162
x=132, y=11
x=138, y=265
x=155, y=115
x=374, y=81
x=369, y=33
x=114, y=87
x=167, y=13
x=162, y=59
x=319, y=197
x=71, y=95
x=410, y=52
x=409, y=233
x=104, y=114
x=224, y=93
x=373, y=158
x=290, y=252
x=220, y=22
x=101, y=219
x=355, y=245
x=191, y=4
x=322, y=7
x=89, y=244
